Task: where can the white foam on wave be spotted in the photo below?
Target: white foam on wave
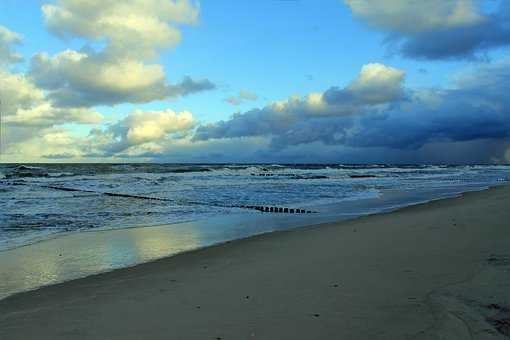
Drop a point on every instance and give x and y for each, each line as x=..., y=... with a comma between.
x=200, y=195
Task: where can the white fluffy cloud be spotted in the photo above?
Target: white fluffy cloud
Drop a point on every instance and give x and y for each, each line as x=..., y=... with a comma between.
x=130, y=27
x=43, y=145
x=122, y=38
x=25, y=104
x=77, y=79
x=18, y=92
x=147, y=126
x=30, y=121
x=140, y=132
x=377, y=83
x=47, y=115
x=28, y=115
x=132, y=32
x=7, y=40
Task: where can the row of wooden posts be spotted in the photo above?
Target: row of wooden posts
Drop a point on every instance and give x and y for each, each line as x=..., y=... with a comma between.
x=274, y=209
x=253, y=207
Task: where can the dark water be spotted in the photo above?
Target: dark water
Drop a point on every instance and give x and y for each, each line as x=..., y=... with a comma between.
x=31, y=208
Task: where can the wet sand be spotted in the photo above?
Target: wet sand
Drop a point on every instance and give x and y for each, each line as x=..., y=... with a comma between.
x=439, y=270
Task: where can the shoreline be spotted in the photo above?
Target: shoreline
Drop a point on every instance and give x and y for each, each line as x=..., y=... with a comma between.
x=45, y=237
x=437, y=293
x=387, y=202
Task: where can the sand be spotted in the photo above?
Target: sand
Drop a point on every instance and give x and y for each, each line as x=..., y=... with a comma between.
x=439, y=270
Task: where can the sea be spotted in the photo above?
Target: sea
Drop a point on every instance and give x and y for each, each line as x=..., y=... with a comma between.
x=60, y=222
x=39, y=201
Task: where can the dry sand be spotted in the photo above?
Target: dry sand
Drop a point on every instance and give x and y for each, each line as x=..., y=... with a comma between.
x=439, y=270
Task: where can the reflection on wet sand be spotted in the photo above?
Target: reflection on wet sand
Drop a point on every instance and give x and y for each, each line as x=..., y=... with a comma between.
x=158, y=242
x=81, y=254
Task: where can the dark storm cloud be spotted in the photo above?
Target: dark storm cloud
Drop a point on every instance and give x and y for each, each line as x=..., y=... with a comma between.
x=463, y=42
x=438, y=29
x=375, y=86
x=257, y=122
x=451, y=121
x=477, y=108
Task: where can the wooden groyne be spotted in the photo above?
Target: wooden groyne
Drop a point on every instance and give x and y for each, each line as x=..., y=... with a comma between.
x=261, y=208
x=270, y=209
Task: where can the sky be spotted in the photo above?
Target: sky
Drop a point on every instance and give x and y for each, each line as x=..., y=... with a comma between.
x=289, y=81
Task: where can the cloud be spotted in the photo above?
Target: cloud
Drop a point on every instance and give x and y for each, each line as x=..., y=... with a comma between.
x=23, y=103
x=213, y=151
x=41, y=144
x=78, y=79
x=131, y=28
x=376, y=86
x=47, y=115
x=241, y=97
x=28, y=115
x=132, y=33
x=141, y=130
x=146, y=126
x=18, y=92
x=412, y=17
x=7, y=40
x=59, y=156
x=436, y=29
x=188, y=86
x=474, y=109
x=28, y=119
x=466, y=122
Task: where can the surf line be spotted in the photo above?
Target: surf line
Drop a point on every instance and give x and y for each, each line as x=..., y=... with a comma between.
x=268, y=209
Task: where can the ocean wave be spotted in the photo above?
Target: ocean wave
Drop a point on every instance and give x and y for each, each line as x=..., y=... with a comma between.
x=60, y=174
x=290, y=175
x=111, y=194
x=192, y=169
x=26, y=171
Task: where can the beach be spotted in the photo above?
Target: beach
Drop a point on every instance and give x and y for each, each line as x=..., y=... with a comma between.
x=439, y=270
